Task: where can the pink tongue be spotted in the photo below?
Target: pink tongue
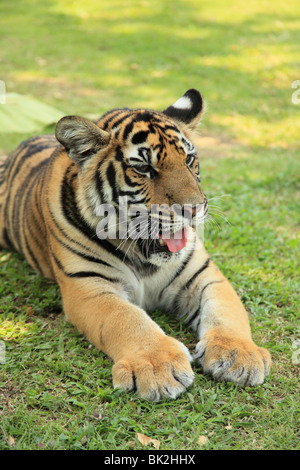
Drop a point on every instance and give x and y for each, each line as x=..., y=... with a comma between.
x=176, y=241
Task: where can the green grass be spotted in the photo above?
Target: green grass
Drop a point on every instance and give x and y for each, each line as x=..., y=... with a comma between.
x=55, y=388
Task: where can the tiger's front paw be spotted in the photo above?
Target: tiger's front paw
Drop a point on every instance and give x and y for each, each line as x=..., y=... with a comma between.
x=163, y=371
x=233, y=359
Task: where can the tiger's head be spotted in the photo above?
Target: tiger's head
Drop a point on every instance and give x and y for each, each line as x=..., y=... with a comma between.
x=138, y=171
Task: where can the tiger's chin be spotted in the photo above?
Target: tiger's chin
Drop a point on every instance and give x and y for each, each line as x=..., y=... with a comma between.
x=158, y=259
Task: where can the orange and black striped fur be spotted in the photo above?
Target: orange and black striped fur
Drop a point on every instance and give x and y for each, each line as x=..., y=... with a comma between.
x=50, y=189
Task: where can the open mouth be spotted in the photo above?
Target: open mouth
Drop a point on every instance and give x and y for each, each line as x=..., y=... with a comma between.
x=174, y=241
x=165, y=243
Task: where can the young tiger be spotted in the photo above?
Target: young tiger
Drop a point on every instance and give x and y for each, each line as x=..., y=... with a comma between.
x=50, y=191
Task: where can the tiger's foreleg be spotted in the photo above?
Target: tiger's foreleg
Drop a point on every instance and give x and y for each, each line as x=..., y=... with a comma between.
x=226, y=349
x=146, y=360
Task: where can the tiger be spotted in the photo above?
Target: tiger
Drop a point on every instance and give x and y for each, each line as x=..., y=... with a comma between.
x=51, y=189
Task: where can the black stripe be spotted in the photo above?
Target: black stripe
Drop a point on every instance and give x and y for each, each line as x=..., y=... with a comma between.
x=127, y=180
x=143, y=199
x=73, y=216
x=111, y=177
x=101, y=293
x=119, y=121
x=32, y=229
x=208, y=284
x=99, y=185
x=212, y=282
x=81, y=274
x=90, y=274
x=119, y=154
x=128, y=129
x=145, y=116
x=7, y=240
x=187, y=285
x=140, y=137
x=23, y=191
x=37, y=202
x=35, y=172
x=25, y=220
x=84, y=256
x=194, y=315
x=112, y=249
x=130, y=193
x=70, y=209
x=61, y=230
x=30, y=151
x=190, y=320
x=18, y=219
x=32, y=256
x=177, y=274
x=108, y=117
x=15, y=167
x=108, y=247
x=191, y=280
x=138, y=160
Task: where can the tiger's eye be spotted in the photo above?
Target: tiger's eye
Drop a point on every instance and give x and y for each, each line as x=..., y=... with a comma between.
x=146, y=170
x=143, y=168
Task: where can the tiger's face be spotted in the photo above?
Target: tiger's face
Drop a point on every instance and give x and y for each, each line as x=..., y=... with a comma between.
x=141, y=166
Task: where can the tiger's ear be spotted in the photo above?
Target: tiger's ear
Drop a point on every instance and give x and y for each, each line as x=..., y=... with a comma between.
x=188, y=109
x=81, y=137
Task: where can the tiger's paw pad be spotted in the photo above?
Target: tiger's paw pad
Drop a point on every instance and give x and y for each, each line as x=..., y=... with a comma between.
x=233, y=360
x=163, y=373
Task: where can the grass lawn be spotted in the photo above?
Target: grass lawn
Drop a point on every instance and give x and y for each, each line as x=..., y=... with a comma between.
x=87, y=57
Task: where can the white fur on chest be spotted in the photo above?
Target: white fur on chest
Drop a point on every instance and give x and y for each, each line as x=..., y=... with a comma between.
x=147, y=290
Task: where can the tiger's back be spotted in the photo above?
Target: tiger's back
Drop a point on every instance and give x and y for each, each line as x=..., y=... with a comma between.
x=22, y=182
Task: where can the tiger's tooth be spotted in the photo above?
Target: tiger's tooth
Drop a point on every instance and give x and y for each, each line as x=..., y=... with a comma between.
x=161, y=242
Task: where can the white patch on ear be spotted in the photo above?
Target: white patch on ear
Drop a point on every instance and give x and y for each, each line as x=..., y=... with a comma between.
x=183, y=103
